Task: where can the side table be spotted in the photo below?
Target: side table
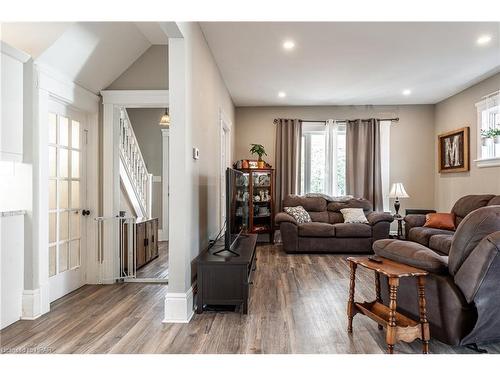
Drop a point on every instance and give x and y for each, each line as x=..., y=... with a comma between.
x=398, y=326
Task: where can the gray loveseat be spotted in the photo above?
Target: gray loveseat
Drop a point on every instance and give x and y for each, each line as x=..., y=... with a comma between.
x=327, y=232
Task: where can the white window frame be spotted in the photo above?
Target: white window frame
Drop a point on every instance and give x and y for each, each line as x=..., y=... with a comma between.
x=493, y=159
x=331, y=127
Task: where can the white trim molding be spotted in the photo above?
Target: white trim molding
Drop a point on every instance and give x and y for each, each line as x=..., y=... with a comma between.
x=179, y=307
x=164, y=235
x=63, y=89
x=136, y=98
x=14, y=52
x=31, y=305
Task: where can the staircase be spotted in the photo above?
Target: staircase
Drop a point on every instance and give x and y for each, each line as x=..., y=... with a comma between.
x=133, y=172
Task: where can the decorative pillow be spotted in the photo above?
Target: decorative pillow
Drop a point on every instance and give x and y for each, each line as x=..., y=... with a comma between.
x=354, y=215
x=300, y=215
x=440, y=220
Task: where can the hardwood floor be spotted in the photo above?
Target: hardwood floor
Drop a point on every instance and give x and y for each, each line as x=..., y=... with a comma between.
x=298, y=305
x=158, y=268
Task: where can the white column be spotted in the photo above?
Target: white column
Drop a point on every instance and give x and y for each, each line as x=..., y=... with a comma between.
x=110, y=189
x=179, y=299
x=165, y=133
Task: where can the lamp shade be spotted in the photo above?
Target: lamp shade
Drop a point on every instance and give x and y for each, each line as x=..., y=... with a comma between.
x=398, y=191
x=165, y=119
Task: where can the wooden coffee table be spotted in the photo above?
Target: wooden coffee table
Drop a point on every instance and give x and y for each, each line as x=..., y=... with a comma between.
x=398, y=326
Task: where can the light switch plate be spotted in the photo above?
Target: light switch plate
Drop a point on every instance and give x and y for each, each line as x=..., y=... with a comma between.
x=196, y=153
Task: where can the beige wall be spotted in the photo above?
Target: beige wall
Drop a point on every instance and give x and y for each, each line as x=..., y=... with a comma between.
x=453, y=113
x=208, y=96
x=412, y=139
x=145, y=124
x=148, y=72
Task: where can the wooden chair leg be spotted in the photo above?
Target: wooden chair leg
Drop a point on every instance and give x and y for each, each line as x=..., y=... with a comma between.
x=350, y=303
x=423, y=314
x=391, y=328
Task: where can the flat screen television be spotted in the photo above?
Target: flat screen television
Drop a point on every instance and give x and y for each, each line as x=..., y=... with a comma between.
x=237, y=215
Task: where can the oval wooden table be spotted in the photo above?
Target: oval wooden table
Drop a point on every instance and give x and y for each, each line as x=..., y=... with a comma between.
x=398, y=326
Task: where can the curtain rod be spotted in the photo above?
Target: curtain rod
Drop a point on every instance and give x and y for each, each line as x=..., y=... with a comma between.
x=324, y=121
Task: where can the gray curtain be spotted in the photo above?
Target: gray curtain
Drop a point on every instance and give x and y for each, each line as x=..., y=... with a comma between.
x=288, y=140
x=363, y=165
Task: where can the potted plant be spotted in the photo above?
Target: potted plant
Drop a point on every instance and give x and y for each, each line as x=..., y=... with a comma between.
x=485, y=134
x=495, y=134
x=259, y=150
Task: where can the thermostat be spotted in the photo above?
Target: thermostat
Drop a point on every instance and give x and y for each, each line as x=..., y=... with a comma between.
x=196, y=153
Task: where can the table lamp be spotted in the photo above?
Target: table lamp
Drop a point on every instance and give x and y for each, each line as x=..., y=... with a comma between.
x=398, y=191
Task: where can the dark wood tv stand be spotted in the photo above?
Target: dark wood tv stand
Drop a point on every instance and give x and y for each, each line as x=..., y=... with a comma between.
x=223, y=279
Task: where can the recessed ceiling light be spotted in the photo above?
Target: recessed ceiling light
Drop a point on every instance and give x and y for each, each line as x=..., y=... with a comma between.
x=483, y=39
x=282, y=94
x=406, y=92
x=288, y=44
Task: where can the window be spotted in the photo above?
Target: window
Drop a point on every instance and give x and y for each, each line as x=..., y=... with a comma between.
x=323, y=158
x=322, y=162
x=488, y=125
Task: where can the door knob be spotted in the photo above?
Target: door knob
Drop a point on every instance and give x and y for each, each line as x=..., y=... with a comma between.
x=85, y=212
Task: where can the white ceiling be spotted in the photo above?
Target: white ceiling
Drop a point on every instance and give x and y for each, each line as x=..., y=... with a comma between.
x=350, y=63
x=92, y=54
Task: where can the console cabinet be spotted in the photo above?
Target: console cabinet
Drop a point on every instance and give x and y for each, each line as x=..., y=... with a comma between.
x=226, y=280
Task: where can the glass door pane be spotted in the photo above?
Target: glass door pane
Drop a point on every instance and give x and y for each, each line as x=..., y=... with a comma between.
x=65, y=173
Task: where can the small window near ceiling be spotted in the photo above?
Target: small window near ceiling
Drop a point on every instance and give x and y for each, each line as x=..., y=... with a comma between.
x=488, y=123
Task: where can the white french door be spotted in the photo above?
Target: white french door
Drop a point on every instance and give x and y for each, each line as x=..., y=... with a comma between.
x=67, y=199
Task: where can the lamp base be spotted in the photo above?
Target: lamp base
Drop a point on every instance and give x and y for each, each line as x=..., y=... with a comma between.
x=396, y=207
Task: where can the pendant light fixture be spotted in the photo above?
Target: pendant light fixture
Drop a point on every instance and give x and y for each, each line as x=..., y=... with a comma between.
x=165, y=119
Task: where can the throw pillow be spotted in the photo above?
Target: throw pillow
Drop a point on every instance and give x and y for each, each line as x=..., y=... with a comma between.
x=440, y=220
x=354, y=215
x=300, y=215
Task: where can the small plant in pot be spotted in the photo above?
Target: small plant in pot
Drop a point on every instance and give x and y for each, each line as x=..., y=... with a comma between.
x=259, y=150
x=495, y=134
x=485, y=135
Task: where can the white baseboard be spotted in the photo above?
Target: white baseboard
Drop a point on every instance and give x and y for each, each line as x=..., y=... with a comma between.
x=179, y=307
x=31, y=304
x=162, y=235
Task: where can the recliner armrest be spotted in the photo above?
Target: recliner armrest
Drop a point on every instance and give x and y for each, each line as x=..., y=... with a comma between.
x=413, y=254
x=415, y=220
x=376, y=217
x=283, y=217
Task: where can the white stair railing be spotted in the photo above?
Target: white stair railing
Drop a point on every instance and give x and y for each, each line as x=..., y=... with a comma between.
x=133, y=164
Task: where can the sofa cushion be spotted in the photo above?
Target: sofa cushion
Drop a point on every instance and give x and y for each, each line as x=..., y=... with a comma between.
x=335, y=217
x=473, y=228
x=352, y=203
x=321, y=217
x=422, y=235
x=441, y=243
x=495, y=201
x=469, y=203
x=353, y=230
x=316, y=204
x=412, y=254
x=316, y=230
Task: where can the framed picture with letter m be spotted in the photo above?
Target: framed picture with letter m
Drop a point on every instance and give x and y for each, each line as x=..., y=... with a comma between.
x=454, y=151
